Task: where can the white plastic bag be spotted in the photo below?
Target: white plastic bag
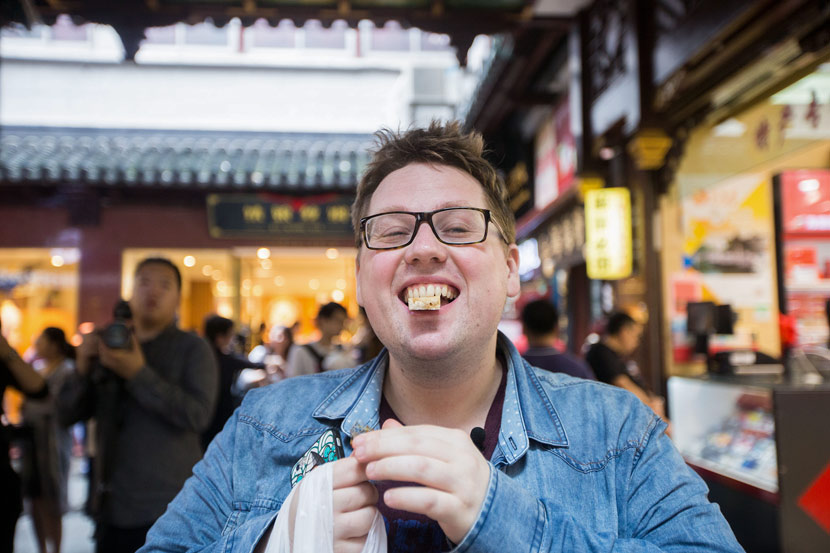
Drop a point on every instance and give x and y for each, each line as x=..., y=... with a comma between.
x=313, y=530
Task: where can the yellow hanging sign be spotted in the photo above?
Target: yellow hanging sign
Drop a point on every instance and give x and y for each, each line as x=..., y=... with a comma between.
x=608, y=251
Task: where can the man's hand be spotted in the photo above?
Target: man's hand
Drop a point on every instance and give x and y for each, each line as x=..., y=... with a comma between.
x=6, y=350
x=354, y=504
x=452, y=471
x=124, y=362
x=86, y=351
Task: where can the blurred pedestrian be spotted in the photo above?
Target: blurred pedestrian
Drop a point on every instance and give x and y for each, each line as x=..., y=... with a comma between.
x=219, y=332
x=540, y=324
x=366, y=343
x=152, y=391
x=50, y=448
x=324, y=354
x=279, y=342
x=609, y=358
x=15, y=373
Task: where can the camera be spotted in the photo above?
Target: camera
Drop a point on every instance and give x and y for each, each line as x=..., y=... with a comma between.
x=117, y=334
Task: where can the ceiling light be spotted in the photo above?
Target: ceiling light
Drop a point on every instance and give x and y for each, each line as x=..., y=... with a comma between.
x=189, y=261
x=263, y=253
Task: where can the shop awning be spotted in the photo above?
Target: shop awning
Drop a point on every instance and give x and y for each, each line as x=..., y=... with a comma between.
x=281, y=162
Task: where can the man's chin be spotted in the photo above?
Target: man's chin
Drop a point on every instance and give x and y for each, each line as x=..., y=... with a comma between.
x=428, y=348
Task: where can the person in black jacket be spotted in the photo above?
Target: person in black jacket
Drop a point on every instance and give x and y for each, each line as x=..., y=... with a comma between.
x=609, y=360
x=218, y=331
x=540, y=323
x=151, y=398
x=18, y=374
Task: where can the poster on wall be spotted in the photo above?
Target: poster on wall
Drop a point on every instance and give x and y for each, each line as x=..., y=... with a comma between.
x=729, y=241
x=728, y=258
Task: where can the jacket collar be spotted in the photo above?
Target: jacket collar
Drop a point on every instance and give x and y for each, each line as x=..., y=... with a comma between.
x=528, y=413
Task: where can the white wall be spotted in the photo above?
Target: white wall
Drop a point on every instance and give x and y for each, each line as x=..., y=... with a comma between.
x=46, y=82
x=168, y=97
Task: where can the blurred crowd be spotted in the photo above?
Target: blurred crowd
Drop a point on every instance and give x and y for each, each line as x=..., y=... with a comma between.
x=140, y=400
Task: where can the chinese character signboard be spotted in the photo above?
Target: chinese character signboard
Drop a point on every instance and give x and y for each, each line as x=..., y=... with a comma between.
x=565, y=147
x=545, y=178
x=262, y=215
x=519, y=191
x=608, y=233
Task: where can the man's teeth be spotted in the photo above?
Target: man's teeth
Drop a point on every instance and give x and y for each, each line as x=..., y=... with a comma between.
x=428, y=290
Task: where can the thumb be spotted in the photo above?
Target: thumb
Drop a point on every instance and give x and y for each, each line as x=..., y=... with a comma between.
x=391, y=423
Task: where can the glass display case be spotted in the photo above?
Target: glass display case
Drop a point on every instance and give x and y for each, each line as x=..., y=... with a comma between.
x=726, y=429
x=761, y=444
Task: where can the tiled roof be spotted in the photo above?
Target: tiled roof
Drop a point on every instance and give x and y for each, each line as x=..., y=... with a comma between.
x=283, y=162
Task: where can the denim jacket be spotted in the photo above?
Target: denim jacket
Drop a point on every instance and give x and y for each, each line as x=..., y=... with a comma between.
x=579, y=466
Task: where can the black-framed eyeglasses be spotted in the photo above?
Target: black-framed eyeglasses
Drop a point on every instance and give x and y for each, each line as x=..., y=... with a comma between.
x=454, y=226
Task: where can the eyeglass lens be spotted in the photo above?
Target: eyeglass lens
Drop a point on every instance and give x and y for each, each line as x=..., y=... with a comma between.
x=453, y=226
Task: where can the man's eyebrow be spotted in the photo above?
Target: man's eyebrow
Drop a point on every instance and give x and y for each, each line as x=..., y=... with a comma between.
x=454, y=203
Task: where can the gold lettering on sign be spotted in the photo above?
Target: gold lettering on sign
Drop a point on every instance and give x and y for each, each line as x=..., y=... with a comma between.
x=337, y=213
x=253, y=213
x=281, y=213
x=310, y=213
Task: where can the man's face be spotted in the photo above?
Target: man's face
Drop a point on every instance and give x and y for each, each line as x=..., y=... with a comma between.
x=479, y=276
x=332, y=326
x=630, y=337
x=155, y=294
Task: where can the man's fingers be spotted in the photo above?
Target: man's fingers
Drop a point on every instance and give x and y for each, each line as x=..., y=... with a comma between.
x=347, y=472
x=454, y=517
x=353, y=498
x=435, y=504
x=440, y=443
x=415, y=468
x=391, y=423
x=355, y=524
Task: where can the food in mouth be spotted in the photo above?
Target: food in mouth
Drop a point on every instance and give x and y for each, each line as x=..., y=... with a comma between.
x=427, y=297
x=423, y=303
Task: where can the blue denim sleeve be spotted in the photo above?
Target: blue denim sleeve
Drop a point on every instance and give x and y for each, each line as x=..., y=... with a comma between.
x=664, y=508
x=195, y=519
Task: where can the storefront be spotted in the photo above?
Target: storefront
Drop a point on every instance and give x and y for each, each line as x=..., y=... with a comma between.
x=744, y=225
x=745, y=222
x=269, y=253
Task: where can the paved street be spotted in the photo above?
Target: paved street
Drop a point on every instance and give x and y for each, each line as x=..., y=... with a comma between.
x=77, y=528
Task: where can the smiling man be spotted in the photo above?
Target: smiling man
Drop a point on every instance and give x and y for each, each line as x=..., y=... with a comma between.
x=448, y=433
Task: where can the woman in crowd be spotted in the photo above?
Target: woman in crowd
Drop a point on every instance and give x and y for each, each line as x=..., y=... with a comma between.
x=47, y=470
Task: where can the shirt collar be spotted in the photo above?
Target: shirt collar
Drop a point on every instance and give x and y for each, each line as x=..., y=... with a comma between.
x=528, y=413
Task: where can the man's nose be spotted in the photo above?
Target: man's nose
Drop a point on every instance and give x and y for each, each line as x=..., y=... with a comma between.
x=425, y=246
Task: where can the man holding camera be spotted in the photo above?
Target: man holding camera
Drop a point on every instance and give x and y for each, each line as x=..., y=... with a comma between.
x=152, y=391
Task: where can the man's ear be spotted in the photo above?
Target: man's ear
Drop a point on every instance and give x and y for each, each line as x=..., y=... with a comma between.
x=514, y=286
x=358, y=293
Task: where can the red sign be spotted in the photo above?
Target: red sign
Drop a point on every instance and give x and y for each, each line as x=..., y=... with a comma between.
x=805, y=199
x=565, y=145
x=816, y=500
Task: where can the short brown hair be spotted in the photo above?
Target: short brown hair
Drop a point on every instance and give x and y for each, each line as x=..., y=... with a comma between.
x=438, y=144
